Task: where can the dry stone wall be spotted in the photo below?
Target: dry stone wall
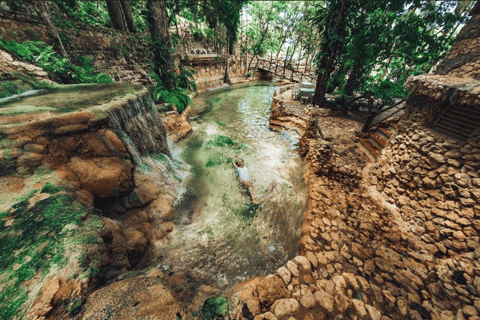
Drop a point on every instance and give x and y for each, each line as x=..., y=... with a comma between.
x=464, y=58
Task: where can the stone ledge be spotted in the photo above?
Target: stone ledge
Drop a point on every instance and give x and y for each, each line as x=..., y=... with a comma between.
x=458, y=90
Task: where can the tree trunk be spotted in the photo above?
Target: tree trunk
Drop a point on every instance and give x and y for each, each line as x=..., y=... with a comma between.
x=116, y=14
x=353, y=80
x=127, y=11
x=231, y=42
x=46, y=16
x=227, y=74
x=285, y=62
x=162, y=45
x=331, y=50
x=384, y=74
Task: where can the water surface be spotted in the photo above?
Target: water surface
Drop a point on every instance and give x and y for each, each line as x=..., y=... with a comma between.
x=220, y=236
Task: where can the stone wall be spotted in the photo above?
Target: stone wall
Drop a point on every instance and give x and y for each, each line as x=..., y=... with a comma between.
x=124, y=57
x=464, y=58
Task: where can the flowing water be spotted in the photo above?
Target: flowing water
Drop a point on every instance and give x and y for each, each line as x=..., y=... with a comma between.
x=220, y=236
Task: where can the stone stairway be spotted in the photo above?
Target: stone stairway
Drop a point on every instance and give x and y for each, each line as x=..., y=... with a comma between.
x=459, y=121
x=377, y=136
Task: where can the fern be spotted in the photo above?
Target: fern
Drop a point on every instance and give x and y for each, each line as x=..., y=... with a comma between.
x=42, y=54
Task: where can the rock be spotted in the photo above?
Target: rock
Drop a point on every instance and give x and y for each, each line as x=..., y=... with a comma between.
x=374, y=313
x=292, y=267
x=103, y=177
x=271, y=289
x=339, y=282
x=325, y=300
x=308, y=301
x=284, y=274
x=302, y=261
x=284, y=307
x=266, y=316
x=120, y=300
x=359, y=308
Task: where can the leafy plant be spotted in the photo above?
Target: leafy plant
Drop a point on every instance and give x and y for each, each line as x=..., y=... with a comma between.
x=178, y=96
x=42, y=54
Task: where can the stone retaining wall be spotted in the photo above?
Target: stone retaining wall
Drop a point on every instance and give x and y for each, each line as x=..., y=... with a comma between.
x=464, y=58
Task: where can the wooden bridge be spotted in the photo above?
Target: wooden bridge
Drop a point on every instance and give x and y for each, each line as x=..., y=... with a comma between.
x=278, y=68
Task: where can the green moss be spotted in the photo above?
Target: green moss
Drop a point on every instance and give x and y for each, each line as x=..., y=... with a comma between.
x=33, y=244
x=51, y=188
x=214, y=307
x=216, y=159
x=25, y=109
x=220, y=141
x=160, y=157
x=221, y=124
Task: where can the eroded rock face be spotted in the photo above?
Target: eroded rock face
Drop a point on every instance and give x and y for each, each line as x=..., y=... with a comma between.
x=176, y=124
x=135, y=298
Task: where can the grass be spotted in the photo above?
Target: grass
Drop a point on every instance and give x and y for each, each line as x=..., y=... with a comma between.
x=35, y=243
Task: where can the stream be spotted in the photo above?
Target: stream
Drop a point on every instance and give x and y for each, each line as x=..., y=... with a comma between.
x=220, y=236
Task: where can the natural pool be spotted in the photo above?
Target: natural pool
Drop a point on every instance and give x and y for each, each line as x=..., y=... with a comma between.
x=220, y=236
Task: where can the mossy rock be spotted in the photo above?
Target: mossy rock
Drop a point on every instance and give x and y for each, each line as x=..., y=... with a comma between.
x=33, y=243
x=214, y=308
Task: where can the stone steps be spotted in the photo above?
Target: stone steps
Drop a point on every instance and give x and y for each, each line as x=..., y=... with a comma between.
x=377, y=137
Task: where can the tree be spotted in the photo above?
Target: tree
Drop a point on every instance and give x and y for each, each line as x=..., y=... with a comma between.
x=162, y=47
x=127, y=14
x=371, y=47
x=116, y=14
x=333, y=20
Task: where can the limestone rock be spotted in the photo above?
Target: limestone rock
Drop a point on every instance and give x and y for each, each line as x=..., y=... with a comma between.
x=325, y=300
x=285, y=307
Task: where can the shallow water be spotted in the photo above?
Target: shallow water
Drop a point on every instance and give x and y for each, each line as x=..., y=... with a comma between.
x=219, y=235
x=63, y=99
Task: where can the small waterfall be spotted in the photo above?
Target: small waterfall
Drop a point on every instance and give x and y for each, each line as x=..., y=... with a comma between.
x=136, y=122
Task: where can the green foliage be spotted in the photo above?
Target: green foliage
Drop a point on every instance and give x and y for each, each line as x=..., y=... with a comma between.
x=220, y=123
x=214, y=307
x=40, y=53
x=249, y=73
x=87, y=12
x=376, y=45
x=178, y=96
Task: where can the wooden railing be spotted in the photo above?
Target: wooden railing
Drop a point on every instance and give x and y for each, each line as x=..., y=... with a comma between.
x=372, y=116
x=278, y=68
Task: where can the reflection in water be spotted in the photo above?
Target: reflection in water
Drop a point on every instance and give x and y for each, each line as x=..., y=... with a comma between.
x=220, y=235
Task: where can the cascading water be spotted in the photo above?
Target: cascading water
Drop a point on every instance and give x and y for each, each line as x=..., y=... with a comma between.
x=220, y=237
x=138, y=125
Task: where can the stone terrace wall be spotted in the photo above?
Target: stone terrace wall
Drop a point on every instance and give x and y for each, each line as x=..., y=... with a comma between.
x=102, y=46
x=432, y=180
x=464, y=57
